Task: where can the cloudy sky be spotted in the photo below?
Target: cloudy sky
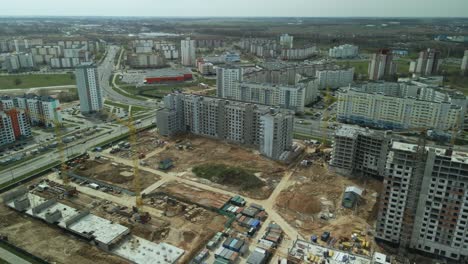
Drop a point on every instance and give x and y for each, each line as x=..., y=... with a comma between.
x=234, y=8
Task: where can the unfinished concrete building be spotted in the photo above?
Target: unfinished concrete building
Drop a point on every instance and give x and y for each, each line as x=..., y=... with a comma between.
x=425, y=200
x=359, y=151
x=268, y=129
x=105, y=234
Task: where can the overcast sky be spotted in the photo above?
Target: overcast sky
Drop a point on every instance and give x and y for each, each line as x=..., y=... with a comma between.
x=289, y=8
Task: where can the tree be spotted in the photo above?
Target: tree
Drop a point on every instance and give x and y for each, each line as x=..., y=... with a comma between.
x=18, y=81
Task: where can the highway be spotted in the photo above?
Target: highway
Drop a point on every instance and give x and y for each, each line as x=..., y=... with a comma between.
x=106, y=69
x=77, y=147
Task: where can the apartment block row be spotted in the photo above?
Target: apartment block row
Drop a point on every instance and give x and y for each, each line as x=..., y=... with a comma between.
x=18, y=62
x=268, y=129
x=424, y=202
x=166, y=49
x=265, y=48
x=298, y=53
x=146, y=60
x=18, y=45
x=14, y=126
x=398, y=106
x=231, y=85
x=334, y=78
x=40, y=110
x=343, y=51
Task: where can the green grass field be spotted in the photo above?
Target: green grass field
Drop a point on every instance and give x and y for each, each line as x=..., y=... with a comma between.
x=222, y=174
x=35, y=80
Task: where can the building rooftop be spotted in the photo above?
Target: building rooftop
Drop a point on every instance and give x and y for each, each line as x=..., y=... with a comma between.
x=351, y=131
x=303, y=250
x=455, y=156
x=168, y=72
x=142, y=251
x=354, y=189
x=103, y=230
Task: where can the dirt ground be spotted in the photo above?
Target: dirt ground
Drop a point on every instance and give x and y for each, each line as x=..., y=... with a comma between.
x=115, y=173
x=205, y=150
x=188, y=233
x=49, y=243
x=185, y=192
x=315, y=193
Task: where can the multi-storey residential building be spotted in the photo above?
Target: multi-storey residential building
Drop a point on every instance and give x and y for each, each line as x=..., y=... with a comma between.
x=298, y=53
x=335, y=78
x=265, y=48
x=146, y=60
x=187, y=51
x=359, y=151
x=43, y=54
x=18, y=62
x=427, y=64
x=286, y=41
x=424, y=202
x=209, y=43
x=284, y=96
x=14, y=125
x=381, y=65
x=40, y=110
x=464, y=64
x=268, y=129
x=343, y=51
x=93, y=46
x=396, y=111
x=205, y=68
x=227, y=79
x=89, y=89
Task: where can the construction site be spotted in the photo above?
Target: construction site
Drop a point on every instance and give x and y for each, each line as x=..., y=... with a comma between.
x=186, y=152
x=113, y=173
x=149, y=197
x=314, y=203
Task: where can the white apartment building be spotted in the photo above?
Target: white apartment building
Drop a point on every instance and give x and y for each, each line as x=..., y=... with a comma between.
x=343, y=51
x=298, y=53
x=284, y=96
x=40, y=110
x=89, y=89
x=187, y=51
x=6, y=129
x=286, y=41
x=227, y=78
x=464, y=64
x=268, y=129
x=335, y=78
x=392, y=112
x=19, y=61
x=43, y=54
x=205, y=68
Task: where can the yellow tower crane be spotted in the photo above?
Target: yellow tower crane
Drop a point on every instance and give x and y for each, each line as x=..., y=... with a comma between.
x=135, y=159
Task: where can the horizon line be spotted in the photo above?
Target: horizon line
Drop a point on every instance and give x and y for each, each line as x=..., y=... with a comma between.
x=293, y=17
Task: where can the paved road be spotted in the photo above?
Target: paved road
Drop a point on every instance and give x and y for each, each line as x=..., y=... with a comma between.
x=106, y=69
x=11, y=258
x=77, y=147
x=12, y=92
